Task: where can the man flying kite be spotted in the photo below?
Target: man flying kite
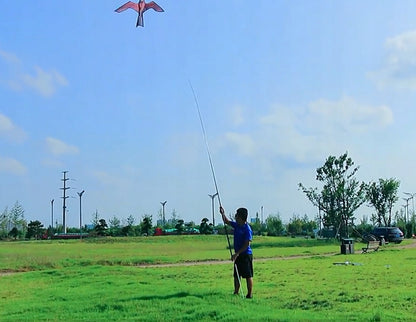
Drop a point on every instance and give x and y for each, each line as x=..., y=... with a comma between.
x=140, y=7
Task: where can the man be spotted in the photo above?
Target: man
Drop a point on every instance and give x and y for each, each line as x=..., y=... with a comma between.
x=243, y=255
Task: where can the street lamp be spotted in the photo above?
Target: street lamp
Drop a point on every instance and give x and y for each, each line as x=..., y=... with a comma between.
x=412, y=195
x=212, y=203
x=407, y=207
x=52, y=213
x=261, y=214
x=80, y=213
x=163, y=211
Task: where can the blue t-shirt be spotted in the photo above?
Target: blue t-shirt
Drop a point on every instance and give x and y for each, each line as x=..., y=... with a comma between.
x=242, y=234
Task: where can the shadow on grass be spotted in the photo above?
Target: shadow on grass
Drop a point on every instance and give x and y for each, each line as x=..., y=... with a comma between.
x=166, y=297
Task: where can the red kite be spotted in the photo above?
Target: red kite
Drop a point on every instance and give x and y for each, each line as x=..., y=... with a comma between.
x=140, y=7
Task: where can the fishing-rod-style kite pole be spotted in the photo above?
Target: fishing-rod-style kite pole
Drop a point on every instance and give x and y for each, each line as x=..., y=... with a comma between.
x=214, y=178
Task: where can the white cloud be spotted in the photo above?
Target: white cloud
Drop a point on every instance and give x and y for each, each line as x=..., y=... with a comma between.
x=237, y=115
x=9, y=57
x=243, y=142
x=106, y=178
x=399, y=70
x=403, y=44
x=118, y=180
x=309, y=134
x=349, y=115
x=12, y=166
x=45, y=83
x=58, y=147
x=6, y=124
x=53, y=163
x=10, y=131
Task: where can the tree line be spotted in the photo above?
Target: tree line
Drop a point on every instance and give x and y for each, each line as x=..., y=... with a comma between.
x=337, y=199
x=13, y=225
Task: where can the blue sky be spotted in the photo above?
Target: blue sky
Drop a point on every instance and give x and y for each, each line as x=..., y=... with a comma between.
x=281, y=86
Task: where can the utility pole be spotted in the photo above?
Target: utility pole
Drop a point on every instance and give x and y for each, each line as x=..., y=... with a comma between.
x=65, y=188
x=212, y=203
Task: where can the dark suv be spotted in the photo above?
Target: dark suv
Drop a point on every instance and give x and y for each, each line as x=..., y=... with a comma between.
x=390, y=234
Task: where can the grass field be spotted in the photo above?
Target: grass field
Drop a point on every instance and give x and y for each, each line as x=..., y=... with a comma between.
x=295, y=279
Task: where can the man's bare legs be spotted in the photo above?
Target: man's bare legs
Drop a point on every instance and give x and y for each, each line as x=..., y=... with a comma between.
x=249, y=286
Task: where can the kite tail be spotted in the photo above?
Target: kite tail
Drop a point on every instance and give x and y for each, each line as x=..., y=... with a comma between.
x=140, y=21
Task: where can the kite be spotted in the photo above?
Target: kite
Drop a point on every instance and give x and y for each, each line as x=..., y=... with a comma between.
x=140, y=7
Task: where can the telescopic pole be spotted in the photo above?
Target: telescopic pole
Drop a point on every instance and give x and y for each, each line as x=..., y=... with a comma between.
x=214, y=178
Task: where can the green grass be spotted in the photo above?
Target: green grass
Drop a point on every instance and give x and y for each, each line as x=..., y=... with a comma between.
x=35, y=255
x=100, y=280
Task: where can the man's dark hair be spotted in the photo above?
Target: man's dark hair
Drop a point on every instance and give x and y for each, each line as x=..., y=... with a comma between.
x=242, y=213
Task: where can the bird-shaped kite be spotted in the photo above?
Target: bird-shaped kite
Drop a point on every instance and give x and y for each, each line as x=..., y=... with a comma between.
x=140, y=7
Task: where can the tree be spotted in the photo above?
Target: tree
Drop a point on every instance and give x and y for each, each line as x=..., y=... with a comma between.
x=257, y=226
x=95, y=218
x=4, y=220
x=101, y=227
x=382, y=196
x=34, y=229
x=17, y=217
x=50, y=232
x=127, y=231
x=180, y=226
x=295, y=226
x=130, y=220
x=204, y=227
x=301, y=226
x=146, y=225
x=114, y=226
x=274, y=226
x=173, y=219
x=308, y=226
x=341, y=194
x=14, y=233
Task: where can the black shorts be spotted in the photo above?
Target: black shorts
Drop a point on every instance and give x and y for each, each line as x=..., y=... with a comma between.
x=244, y=264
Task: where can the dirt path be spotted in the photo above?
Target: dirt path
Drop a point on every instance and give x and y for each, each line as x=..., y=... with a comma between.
x=219, y=262
x=412, y=245
x=7, y=273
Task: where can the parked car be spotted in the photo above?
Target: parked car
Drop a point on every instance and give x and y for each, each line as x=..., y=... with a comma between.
x=390, y=234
